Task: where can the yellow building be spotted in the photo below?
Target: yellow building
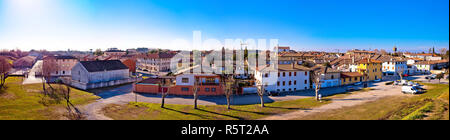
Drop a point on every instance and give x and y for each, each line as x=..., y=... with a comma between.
x=348, y=78
x=371, y=68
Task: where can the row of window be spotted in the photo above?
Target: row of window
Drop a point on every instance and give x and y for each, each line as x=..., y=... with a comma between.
x=289, y=83
x=290, y=89
x=206, y=89
x=285, y=73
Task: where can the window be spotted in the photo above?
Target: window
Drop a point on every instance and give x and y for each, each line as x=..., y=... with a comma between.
x=206, y=89
x=290, y=73
x=184, y=89
x=295, y=73
x=332, y=76
x=213, y=89
x=306, y=81
x=278, y=83
x=306, y=73
x=290, y=82
x=284, y=83
x=284, y=74
x=267, y=74
x=295, y=82
x=185, y=80
x=64, y=72
x=278, y=74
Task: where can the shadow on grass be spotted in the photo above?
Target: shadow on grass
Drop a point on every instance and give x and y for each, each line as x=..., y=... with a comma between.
x=185, y=113
x=235, y=117
x=259, y=113
x=288, y=108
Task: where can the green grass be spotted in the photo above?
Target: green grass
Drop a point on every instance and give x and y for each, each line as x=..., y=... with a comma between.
x=152, y=111
x=420, y=113
x=23, y=102
x=394, y=107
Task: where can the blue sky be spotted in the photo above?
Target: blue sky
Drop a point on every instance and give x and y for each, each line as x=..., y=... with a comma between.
x=304, y=25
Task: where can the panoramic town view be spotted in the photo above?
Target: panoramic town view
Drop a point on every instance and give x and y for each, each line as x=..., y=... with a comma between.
x=228, y=60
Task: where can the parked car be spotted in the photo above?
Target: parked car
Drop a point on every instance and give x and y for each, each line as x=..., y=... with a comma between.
x=357, y=84
x=409, y=90
x=405, y=75
x=377, y=80
x=410, y=83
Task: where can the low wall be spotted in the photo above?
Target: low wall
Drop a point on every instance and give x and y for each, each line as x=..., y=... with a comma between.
x=86, y=86
x=178, y=90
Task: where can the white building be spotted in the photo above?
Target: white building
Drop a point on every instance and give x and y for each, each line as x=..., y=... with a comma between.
x=427, y=66
x=285, y=78
x=394, y=67
x=157, y=62
x=97, y=74
x=283, y=49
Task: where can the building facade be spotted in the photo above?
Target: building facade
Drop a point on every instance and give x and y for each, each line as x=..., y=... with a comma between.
x=286, y=78
x=62, y=65
x=372, y=69
x=98, y=74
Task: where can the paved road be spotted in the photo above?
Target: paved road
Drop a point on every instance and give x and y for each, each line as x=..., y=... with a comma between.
x=381, y=90
x=421, y=78
x=123, y=95
x=32, y=79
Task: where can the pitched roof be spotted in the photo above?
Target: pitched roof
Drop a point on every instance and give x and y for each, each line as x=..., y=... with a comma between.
x=284, y=67
x=365, y=61
x=431, y=62
x=350, y=74
x=106, y=65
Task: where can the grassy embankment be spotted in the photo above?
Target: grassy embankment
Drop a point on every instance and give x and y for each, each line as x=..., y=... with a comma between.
x=431, y=105
x=25, y=102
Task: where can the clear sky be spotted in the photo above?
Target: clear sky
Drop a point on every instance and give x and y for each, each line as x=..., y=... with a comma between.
x=328, y=25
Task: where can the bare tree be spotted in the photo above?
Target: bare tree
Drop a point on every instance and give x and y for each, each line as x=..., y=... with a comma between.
x=400, y=72
x=316, y=79
x=49, y=66
x=195, y=91
x=261, y=91
x=73, y=112
x=166, y=84
x=228, y=85
x=5, y=66
x=440, y=76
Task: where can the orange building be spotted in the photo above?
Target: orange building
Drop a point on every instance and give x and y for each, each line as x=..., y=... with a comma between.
x=207, y=84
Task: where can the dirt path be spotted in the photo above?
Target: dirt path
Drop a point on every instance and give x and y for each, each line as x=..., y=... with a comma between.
x=379, y=91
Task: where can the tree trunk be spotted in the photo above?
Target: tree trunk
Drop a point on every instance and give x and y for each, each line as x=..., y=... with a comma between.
x=163, y=99
x=317, y=95
x=262, y=100
x=228, y=102
x=43, y=86
x=195, y=102
x=2, y=82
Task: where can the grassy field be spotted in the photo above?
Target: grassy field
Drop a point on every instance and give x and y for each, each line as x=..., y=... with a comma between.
x=24, y=102
x=152, y=111
x=431, y=105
